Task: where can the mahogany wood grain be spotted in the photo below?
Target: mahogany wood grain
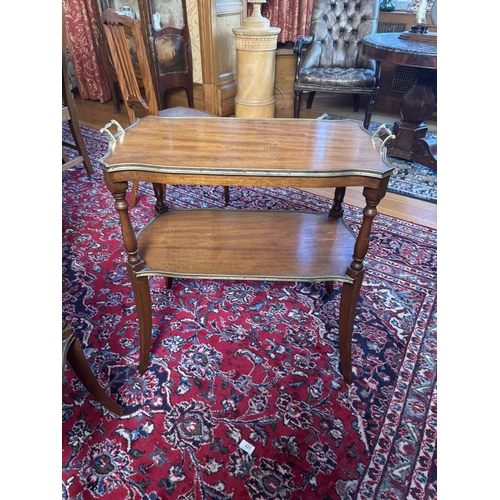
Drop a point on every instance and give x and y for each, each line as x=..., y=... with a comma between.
x=95, y=114
x=240, y=244
x=264, y=245
x=274, y=147
x=409, y=139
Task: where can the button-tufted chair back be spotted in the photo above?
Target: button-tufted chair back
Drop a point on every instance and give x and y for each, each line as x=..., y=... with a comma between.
x=330, y=58
x=338, y=28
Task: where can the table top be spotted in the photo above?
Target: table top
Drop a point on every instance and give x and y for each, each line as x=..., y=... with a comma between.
x=273, y=147
x=388, y=47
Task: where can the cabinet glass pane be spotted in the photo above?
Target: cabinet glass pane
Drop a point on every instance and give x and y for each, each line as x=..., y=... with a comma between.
x=167, y=14
x=127, y=7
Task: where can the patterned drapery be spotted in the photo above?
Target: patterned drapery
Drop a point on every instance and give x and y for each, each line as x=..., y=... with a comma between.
x=90, y=75
x=292, y=16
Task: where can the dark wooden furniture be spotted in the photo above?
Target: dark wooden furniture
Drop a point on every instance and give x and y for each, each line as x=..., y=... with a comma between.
x=121, y=33
x=70, y=115
x=167, y=43
x=73, y=353
x=127, y=51
x=418, y=104
x=329, y=59
x=240, y=244
x=170, y=49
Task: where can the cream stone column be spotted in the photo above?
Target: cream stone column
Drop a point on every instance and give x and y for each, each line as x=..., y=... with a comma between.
x=256, y=44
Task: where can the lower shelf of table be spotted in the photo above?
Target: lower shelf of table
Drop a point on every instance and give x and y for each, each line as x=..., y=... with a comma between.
x=247, y=244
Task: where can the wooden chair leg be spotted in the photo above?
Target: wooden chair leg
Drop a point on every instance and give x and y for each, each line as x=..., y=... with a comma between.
x=226, y=195
x=369, y=111
x=78, y=362
x=355, y=102
x=310, y=99
x=116, y=94
x=296, y=104
x=133, y=194
x=80, y=143
x=190, y=96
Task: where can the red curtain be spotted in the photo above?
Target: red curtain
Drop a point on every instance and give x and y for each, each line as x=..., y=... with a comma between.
x=292, y=16
x=92, y=81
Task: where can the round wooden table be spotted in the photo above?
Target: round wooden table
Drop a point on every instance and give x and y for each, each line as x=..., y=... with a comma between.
x=419, y=102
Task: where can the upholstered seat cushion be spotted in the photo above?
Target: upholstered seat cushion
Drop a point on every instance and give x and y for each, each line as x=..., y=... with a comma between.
x=338, y=77
x=183, y=111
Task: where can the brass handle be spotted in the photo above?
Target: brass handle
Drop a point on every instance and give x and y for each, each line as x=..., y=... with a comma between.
x=112, y=138
x=390, y=136
x=383, y=128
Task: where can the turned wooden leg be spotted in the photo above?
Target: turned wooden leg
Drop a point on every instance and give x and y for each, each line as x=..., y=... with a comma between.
x=350, y=291
x=337, y=211
x=369, y=111
x=160, y=190
x=78, y=362
x=348, y=302
x=310, y=99
x=296, y=104
x=140, y=285
x=168, y=282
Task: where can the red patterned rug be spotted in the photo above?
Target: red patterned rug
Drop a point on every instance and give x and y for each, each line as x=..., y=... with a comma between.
x=247, y=361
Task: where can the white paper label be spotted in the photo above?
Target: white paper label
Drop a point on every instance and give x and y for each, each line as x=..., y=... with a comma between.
x=246, y=446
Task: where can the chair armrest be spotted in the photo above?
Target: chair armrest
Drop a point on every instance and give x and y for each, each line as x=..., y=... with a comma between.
x=299, y=43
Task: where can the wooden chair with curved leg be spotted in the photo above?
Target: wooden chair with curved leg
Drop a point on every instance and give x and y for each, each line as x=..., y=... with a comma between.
x=70, y=115
x=72, y=352
x=130, y=59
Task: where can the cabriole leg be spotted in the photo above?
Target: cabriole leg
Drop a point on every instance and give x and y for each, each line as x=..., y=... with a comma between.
x=142, y=296
x=348, y=303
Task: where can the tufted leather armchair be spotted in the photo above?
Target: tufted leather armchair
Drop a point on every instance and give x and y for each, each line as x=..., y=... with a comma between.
x=330, y=59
